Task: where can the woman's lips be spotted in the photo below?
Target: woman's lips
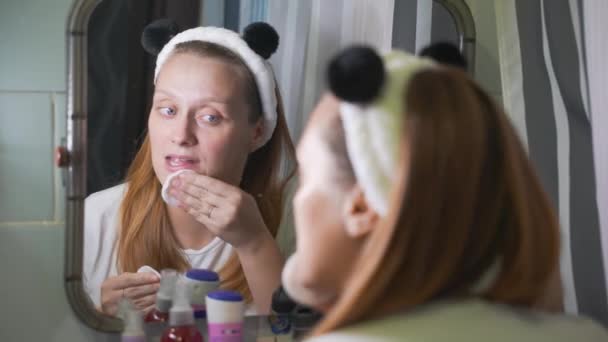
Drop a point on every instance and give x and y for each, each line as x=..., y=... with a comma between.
x=176, y=163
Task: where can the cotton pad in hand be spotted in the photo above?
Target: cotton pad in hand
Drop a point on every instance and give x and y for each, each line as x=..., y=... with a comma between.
x=170, y=200
x=147, y=268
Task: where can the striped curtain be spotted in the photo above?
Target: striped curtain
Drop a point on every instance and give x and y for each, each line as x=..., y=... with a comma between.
x=312, y=32
x=545, y=81
x=596, y=28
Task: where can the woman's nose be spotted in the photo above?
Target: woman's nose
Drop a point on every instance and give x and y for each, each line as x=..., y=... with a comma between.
x=183, y=133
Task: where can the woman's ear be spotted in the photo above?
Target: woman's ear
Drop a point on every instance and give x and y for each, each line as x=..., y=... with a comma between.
x=359, y=217
x=257, y=136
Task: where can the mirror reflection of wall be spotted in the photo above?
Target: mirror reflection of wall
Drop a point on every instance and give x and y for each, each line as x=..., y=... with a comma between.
x=120, y=82
x=443, y=28
x=418, y=24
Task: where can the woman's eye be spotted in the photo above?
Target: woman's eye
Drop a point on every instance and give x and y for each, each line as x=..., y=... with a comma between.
x=210, y=119
x=168, y=111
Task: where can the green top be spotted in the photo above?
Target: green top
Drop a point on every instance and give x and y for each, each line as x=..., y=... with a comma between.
x=471, y=320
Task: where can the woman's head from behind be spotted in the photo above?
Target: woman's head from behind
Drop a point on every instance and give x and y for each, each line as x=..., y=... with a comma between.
x=465, y=216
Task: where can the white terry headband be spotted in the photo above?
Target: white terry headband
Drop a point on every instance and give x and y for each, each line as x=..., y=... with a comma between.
x=259, y=42
x=371, y=91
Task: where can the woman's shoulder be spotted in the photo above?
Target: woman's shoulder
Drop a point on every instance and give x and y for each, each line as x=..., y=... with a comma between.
x=101, y=209
x=107, y=196
x=100, y=235
x=471, y=321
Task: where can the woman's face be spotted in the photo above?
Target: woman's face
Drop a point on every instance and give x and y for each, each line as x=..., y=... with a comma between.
x=199, y=119
x=323, y=210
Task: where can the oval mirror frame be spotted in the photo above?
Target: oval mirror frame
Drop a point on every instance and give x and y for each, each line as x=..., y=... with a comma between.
x=465, y=26
x=73, y=161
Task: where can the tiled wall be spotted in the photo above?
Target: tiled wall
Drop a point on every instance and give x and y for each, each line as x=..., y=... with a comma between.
x=32, y=121
x=32, y=109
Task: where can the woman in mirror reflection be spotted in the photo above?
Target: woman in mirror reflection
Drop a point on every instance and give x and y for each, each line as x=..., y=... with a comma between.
x=217, y=114
x=418, y=214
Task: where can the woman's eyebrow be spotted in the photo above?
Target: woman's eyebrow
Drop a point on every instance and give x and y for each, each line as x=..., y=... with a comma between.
x=163, y=92
x=199, y=102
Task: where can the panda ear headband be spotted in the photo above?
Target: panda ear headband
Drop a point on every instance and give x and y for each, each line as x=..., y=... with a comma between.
x=258, y=43
x=370, y=89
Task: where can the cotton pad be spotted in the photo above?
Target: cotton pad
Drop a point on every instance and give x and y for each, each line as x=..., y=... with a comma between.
x=147, y=268
x=170, y=200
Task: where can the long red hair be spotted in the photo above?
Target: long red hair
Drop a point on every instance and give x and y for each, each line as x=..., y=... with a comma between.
x=470, y=205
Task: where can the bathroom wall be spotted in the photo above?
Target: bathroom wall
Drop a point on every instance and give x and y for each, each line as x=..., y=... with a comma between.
x=32, y=225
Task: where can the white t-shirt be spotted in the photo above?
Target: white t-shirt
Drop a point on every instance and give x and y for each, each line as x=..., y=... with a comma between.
x=101, y=224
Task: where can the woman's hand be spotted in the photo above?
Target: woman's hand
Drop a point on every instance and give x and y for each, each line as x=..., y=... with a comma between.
x=233, y=215
x=139, y=288
x=227, y=211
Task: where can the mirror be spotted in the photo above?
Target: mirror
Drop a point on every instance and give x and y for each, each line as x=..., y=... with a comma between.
x=109, y=95
x=120, y=83
x=73, y=158
x=108, y=77
x=419, y=24
x=460, y=30
x=110, y=85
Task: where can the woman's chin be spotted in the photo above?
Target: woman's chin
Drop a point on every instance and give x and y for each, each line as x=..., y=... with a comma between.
x=302, y=292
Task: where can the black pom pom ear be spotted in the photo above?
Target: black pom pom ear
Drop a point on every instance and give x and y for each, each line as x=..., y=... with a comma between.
x=356, y=74
x=261, y=38
x=157, y=34
x=445, y=53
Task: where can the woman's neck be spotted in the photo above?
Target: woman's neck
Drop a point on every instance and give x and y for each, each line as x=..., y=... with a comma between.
x=190, y=233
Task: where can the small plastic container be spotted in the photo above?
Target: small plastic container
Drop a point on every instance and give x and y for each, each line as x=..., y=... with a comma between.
x=134, y=325
x=182, y=327
x=282, y=306
x=168, y=277
x=201, y=282
x=303, y=320
x=225, y=315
